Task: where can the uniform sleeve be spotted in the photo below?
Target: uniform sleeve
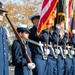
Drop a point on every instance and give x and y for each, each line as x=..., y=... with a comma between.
x=73, y=39
x=44, y=35
x=63, y=41
x=33, y=35
x=70, y=41
x=17, y=55
x=55, y=36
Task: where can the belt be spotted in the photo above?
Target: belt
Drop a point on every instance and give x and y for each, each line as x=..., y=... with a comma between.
x=39, y=56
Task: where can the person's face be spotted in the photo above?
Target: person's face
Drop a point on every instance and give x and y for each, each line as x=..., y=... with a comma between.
x=35, y=21
x=1, y=16
x=24, y=35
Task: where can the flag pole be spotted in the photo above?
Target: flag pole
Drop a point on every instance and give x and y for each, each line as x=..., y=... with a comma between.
x=73, y=20
x=57, y=21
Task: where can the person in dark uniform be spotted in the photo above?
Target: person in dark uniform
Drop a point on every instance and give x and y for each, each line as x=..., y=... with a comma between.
x=37, y=51
x=72, y=43
x=60, y=60
x=22, y=67
x=3, y=45
x=57, y=64
x=51, y=68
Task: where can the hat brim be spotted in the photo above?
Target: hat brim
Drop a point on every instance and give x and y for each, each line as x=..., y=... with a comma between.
x=24, y=29
x=27, y=30
x=35, y=17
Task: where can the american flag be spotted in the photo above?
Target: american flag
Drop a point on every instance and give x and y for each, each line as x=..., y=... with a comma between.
x=48, y=8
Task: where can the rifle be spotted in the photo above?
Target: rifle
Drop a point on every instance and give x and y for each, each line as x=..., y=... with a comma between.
x=24, y=50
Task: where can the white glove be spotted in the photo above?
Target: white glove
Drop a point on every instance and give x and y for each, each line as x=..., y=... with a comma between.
x=65, y=52
x=31, y=66
x=57, y=51
x=47, y=51
x=72, y=52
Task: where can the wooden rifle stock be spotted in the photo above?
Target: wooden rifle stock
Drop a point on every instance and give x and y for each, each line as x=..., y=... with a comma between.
x=20, y=41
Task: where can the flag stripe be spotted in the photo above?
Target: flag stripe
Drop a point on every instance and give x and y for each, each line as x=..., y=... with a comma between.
x=45, y=9
x=45, y=14
x=44, y=3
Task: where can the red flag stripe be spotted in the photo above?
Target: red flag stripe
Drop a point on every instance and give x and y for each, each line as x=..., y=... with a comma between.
x=69, y=12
